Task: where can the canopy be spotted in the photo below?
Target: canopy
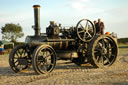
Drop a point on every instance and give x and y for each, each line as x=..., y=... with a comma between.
x=2, y=42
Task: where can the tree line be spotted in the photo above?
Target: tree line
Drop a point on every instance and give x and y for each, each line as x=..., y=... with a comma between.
x=12, y=32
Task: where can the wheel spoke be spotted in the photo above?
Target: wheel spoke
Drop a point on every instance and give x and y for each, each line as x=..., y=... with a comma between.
x=17, y=54
x=82, y=26
x=107, y=44
x=48, y=63
x=85, y=50
x=96, y=49
x=17, y=65
x=89, y=35
x=109, y=50
x=48, y=55
x=86, y=27
x=45, y=67
x=102, y=60
x=16, y=58
x=41, y=60
x=16, y=61
x=22, y=52
x=107, y=59
x=97, y=54
x=43, y=52
x=100, y=45
x=103, y=43
x=81, y=31
x=98, y=57
x=25, y=54
x=21, y=67
x=84, y=36
x=51, y=64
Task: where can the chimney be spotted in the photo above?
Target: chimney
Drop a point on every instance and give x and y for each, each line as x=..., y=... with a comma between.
x=37, y=19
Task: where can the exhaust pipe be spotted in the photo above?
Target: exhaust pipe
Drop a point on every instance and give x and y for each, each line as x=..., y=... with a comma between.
x=37, y=19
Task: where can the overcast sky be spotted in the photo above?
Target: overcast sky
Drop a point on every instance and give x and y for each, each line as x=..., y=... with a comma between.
x=114, y=13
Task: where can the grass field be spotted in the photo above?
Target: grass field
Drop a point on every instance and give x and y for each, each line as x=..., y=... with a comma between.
x=123, y=49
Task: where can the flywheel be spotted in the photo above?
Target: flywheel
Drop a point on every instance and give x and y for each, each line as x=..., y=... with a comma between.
x=85, y=30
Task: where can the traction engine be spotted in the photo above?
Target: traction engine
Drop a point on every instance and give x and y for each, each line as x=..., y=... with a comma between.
x=79, y=44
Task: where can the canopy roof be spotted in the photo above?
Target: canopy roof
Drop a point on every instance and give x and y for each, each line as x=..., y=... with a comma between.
x=2, y=42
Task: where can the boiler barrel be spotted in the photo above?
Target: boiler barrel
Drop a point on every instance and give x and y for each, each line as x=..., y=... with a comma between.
x=60, y=43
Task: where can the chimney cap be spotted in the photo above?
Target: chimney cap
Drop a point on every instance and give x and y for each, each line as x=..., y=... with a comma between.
x=36, y=6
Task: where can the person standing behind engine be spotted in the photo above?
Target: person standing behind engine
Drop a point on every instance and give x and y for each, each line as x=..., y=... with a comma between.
x=94, y=23
x=99, y=27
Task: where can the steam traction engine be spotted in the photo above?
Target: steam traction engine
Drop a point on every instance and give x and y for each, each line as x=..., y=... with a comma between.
x=80, y=44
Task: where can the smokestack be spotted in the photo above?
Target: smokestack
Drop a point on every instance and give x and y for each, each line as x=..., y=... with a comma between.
x=37, y=19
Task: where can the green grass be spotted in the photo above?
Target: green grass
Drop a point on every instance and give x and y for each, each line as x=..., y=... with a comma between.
x=123, y=45
x=123, y=49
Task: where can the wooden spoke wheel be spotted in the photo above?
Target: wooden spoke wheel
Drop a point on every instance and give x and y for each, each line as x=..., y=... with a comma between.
x=103, y=51
x=44, y=59
x=85, y=30
x=19, y=58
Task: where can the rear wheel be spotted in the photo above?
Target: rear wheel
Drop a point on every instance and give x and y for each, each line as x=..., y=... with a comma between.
x=103, y=51
x=44, y=59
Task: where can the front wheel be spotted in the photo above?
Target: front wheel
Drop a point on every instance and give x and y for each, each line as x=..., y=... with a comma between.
x=19, y=58
x=44, y=59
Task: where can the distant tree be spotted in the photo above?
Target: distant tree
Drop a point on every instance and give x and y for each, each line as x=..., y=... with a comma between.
x=12, y=32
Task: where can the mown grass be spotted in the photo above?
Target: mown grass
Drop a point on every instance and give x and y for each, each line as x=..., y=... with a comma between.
x=123, y=49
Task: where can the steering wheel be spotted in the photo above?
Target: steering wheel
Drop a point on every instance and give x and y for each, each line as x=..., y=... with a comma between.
x=85, y=30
